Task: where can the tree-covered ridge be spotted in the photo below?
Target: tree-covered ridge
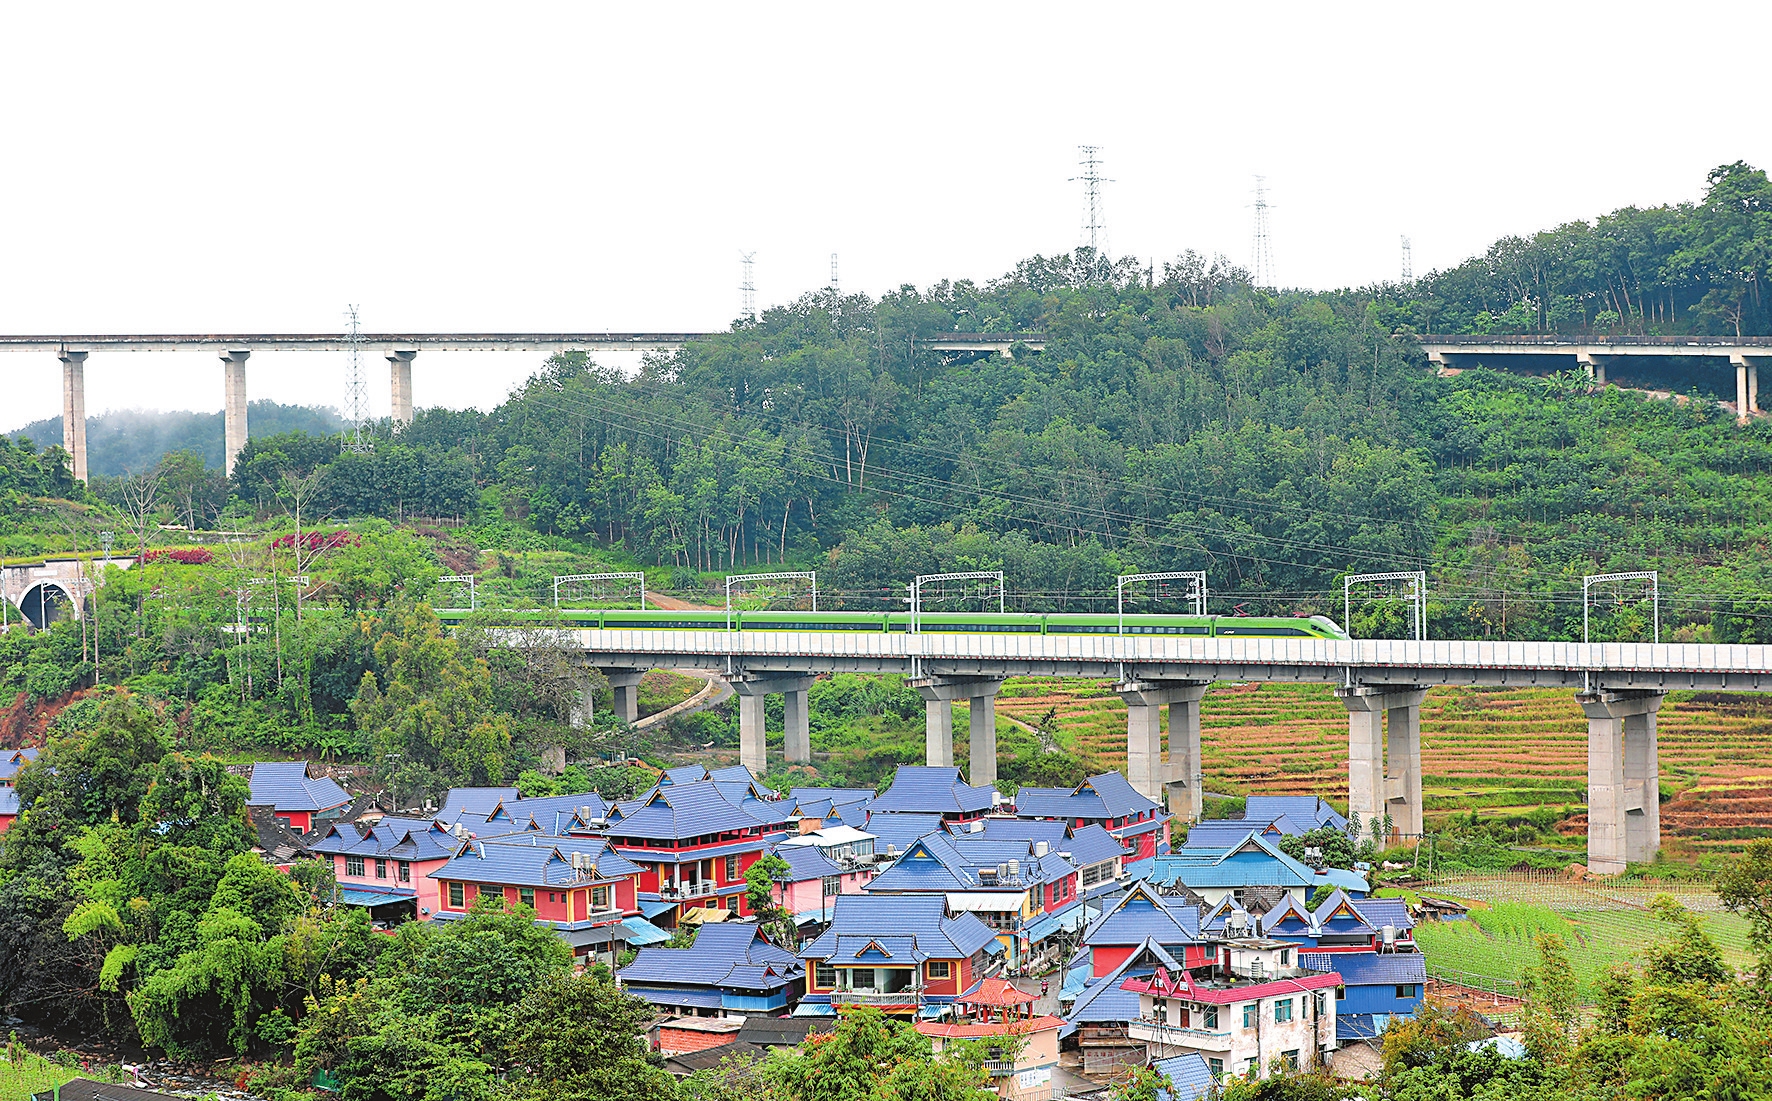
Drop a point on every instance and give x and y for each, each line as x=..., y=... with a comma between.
x=129, y=441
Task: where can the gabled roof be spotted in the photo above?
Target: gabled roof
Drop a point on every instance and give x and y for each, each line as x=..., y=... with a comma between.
x=11, y=760
x=1093, y=844
x=899, y=830
x=1338, y=916
x=554, y=814
x=1254, y=861
x=1369, y=968
x=806, y=862
x=1289, y=916
x=473, y=801
x=1219, y=834
x=1189, y=1076
x=910, y=927
x=943, y=862
x=1309, y=811
x=608, y=863
x=1106, y=1000
x=286, y=785
x=1109, y=795
x=1000, y=827
x=920, y=789
x=389, y=838
x=1141, y=915
x=678, y=811
x=1380, y=912
x=545, y=863
x=683, y=774
x=731, y=955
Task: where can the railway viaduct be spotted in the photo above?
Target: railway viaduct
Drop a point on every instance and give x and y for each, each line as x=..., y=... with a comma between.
x=1620, y=687
x=400, y=349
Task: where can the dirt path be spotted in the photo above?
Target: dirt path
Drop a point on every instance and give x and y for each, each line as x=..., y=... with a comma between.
x=716, y=691
x=677, y=604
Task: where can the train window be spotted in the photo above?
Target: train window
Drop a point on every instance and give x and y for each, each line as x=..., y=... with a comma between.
x=1266, y=632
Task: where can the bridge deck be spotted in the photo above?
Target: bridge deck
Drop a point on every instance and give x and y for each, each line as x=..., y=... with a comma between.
x=1372, y=662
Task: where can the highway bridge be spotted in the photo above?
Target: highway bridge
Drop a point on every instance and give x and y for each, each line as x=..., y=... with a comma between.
x=1620, y=687
x=400, y=349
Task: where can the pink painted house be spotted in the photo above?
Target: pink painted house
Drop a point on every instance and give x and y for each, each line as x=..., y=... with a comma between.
x=386, y=865
x=821, y=866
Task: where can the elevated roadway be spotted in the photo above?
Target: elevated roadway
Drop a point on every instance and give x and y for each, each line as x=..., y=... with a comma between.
x=1619, y=686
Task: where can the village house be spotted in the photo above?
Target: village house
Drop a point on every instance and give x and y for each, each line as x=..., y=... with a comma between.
x=1303, y=812
x=385, y=865
x=1021, y=1046
x=813, y=881
x=300, y=801
x=894, y=833
x=899, y=953
x=1009, y=885
x=1100, y=1013
x=832, y=806
x=1110, y=801
x=579, y=886
x=730, y=971
x=1254, y=1009
x=1099, y=855
x=1376, y=986
x=1138, y=917
x=1253, y=873
x=694, y=841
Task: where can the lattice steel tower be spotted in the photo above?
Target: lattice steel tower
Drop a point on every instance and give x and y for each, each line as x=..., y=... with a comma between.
x=356, y=388
x=1094, y=217
x=1408, y=262
x=1261, y=267
x=747, y=290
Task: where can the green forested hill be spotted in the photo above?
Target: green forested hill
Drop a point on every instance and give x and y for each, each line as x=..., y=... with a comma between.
x=133, y=440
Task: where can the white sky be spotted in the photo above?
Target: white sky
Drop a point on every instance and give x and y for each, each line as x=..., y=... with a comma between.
x=246, y=167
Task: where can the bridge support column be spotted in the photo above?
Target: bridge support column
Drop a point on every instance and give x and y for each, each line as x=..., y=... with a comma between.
x=233, y=405
x=1384, y=778
x=1145, y=768
x=939, y=694
x=753, y=732
x=1594, y=365
x=1623, y=778
x=625, y=685
x=74, y=409
x=400, y=380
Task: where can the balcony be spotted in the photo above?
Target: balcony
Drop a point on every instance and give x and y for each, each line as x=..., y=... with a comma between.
x=1207, y=1039
x=703, y=889
x=910, y=995
x=999, y=1068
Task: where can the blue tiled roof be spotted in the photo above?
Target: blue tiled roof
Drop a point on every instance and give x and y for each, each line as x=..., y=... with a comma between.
x=1253, y=862
x=806, y=862
x=473, y=801
x=919, y=789
x=944, y=862
x=407, y=839
x=1109, y=795
x=683, y=774
x=556, y=813
x=899, y=829
x=286, y=785
x=1307, y=810
x=11, y=760
x=681, y=811
x=1360, y=1026
x=998, y=827
x=1219, y=834
x=726, y=955
x=1189, y=1076
x=920, y=921
x=1104, y=1000
x=8, y=800
x=1140, y=915
x=639, y=932
x=1093, y=844
x=610, y=863
x=1338, y=916
x=1369, y=968
x=522, y=865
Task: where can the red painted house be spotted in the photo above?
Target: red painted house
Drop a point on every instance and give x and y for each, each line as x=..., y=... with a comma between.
x=1110, y=801
x=693, y=842
x=301, y=802
x=899, y=953
x=1139, y=916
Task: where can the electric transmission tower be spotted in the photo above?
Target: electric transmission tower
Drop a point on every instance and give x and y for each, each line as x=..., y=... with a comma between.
x=1408, y=262
x=747, y=290
x=356, y=390
x=1261, y=268
x=835, y=288
x=1094, y=217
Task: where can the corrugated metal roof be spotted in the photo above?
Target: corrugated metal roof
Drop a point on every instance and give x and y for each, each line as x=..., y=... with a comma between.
x=899, y=829
x=1190, y=1079
x=725, y=955
x=1307, y=810
x=1369, y=968
x=921, y=918
x=639, y=932
x=1109, y=795
x=1140, y=915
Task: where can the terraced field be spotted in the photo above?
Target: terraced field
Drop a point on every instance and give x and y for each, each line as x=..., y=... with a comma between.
x=1485, y=748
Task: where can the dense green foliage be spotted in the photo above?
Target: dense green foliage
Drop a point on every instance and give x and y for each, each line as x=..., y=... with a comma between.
x=131, y=441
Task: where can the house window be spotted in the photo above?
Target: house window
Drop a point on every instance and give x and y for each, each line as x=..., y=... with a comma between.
x=1285, y=957
x=487, y=890
x=455, y=899
x=1211, y=1016
x=405, y=872
x=1216, y=1066
x=731, y=869
x=1249, y=1015
x=526, y=895
x=381, y=869
x=353, y=865
x=940, y=969
x=1290, y=1059
x=599, y=898
x=732, y=903
x=824, y=976
x=1406, y=990
x=833, y=885
x=1282, y=1011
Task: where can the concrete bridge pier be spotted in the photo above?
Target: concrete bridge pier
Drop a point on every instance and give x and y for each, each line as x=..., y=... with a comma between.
x=939, y=694
x=1595, y=366
x=753, y=693
x=400, y=379
x=1747, y=384
x=74, y=408
x=1181, y=780
x=233, y=405
x=625, y=684
x=1623, y=778
x=1384, y=775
